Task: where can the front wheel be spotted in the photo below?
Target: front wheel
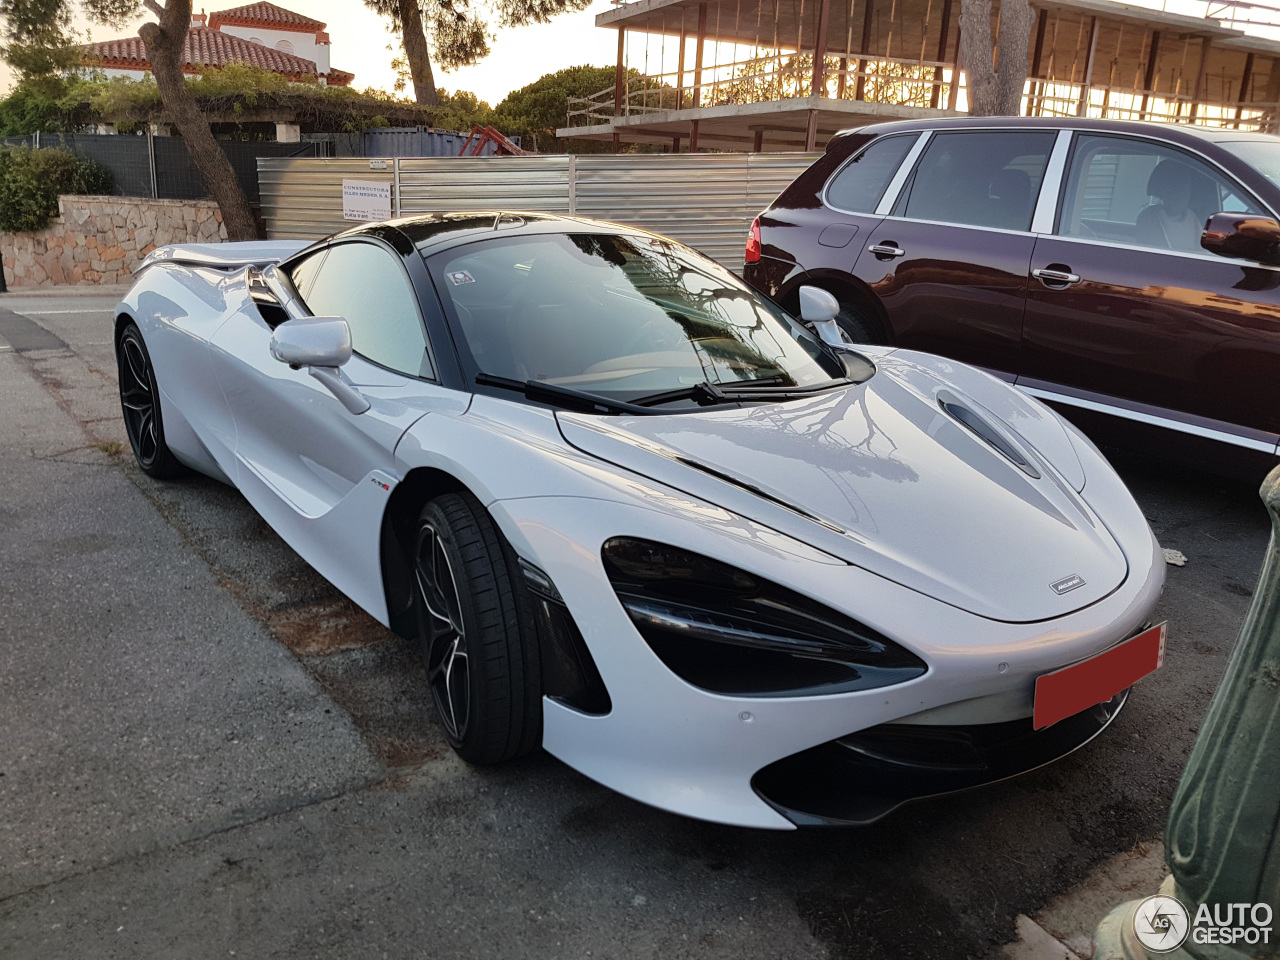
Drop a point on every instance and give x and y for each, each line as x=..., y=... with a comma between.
x=140, y=404
x=857, y=326
x=476, y=637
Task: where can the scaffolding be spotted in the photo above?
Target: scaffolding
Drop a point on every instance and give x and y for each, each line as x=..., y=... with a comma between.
x=775, y=74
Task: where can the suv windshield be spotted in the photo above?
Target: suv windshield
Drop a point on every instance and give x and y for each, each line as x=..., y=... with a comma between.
x=619, y=316
x=1262, y=155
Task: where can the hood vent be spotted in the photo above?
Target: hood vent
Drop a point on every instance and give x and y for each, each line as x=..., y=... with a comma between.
x=986, y=431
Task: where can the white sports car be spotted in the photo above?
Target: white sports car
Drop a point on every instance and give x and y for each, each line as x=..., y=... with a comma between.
x=636, y=514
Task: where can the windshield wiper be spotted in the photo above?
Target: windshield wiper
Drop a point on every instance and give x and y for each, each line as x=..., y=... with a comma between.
x=561, y=396
x=708, y=394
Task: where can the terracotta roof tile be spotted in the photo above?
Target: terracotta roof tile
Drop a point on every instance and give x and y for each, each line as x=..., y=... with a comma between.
x=203, y=48
x=265, y=14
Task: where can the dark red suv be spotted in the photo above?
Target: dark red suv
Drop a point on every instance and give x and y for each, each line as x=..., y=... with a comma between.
x=1131, y=269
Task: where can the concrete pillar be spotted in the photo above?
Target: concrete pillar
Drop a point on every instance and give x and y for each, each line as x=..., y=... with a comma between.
x=868, y=14
x=620, y=75
x=1034, y=101
x=160, y=129
x=953, y=92
x=697, y=62
x=1082, y=107
x=818, y=83
x=811, y=132
x=288, y=132
x=1149, y=77
x=1220, y=843
x=1199, y=87
x=942, y=53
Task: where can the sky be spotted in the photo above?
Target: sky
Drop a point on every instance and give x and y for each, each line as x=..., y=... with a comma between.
x=519, y=55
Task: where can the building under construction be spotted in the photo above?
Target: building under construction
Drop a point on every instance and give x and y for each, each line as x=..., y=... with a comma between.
x=786, y=74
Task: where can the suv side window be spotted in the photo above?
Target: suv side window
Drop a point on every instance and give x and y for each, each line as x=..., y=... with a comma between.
x=368, y=287
x=1143, y=193
x=979, y=178
x=858, y=186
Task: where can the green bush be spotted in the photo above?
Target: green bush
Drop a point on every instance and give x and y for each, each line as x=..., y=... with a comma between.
x=32, y=180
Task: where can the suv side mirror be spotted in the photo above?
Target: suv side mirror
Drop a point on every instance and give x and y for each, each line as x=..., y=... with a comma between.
x=322, y=345
x=1243, y=235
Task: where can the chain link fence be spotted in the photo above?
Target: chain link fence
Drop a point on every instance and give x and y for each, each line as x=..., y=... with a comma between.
x=161, y=167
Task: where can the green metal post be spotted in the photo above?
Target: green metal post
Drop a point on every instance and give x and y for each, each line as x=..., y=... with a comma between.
x=1222, y=843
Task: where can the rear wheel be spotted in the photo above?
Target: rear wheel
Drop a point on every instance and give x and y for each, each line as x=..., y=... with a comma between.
x=476, y=635
x=140, y=404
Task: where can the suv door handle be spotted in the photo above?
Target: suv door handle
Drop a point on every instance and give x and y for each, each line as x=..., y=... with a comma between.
x=1056, y=278
x=887, y=249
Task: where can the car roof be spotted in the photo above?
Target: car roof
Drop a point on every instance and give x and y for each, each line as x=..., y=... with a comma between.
x=433, y=232
x=1175, y=132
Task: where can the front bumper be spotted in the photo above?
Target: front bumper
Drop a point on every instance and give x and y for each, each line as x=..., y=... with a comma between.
x=693, y=752
x=864, y=776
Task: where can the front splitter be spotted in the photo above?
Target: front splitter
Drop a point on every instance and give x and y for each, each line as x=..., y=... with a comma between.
x=860, y=778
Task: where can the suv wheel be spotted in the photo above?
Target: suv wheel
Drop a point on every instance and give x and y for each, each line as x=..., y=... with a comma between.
x=856, y=326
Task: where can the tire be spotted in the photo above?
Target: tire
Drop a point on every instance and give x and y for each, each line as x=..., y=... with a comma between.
x=857, y=326
x=140, y=406
x=476, y=632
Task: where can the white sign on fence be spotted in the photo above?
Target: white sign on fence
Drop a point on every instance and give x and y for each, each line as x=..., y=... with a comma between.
x=366, y=200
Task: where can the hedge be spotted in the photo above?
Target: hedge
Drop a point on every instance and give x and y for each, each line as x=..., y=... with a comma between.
x=32, y=180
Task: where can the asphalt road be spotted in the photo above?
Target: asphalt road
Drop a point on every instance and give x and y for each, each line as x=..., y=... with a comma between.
x=208, y=752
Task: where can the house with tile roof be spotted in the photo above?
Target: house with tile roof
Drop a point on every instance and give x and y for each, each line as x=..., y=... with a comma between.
x=258, y=34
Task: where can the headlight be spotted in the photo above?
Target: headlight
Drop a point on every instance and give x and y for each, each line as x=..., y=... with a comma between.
x=729, y=631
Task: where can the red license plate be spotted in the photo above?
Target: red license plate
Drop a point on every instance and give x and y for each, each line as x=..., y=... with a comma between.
x=1066, y=692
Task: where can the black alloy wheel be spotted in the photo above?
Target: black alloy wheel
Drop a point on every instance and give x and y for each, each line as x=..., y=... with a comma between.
x=476, y=632
x=140, y=404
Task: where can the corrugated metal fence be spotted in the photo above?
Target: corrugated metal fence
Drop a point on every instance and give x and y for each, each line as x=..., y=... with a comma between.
x=704, y=200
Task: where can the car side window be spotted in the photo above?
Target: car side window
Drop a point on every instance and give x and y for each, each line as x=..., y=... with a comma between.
x=368, y=287
x=303, y=272
x=860, y=183
x=1142, y=193
x=979, y=179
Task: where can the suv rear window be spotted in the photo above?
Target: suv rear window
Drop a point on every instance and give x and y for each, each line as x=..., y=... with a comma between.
x=979, y=179
x=861, y=182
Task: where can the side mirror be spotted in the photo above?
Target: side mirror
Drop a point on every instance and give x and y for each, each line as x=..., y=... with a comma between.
x=312, y=342
x=1242, y=235
x=820, y=308
x=322, y=345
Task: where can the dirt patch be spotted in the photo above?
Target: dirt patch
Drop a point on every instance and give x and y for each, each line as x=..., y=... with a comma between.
x=322, y=627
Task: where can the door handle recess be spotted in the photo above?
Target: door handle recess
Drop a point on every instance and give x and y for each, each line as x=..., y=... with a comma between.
x=889, y=249
x=1054, y=277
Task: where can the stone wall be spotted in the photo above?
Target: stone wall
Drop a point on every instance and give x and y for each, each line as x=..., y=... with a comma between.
x=103, y=239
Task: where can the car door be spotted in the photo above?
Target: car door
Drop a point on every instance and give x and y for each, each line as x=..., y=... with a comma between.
x=827, y=242
x=1126, y=311
x=949, y=262
x=319, y=474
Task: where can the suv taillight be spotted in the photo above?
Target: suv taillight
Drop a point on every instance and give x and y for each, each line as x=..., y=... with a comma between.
x=753, y=242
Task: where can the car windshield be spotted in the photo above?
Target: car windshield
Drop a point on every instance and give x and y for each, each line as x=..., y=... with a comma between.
x=625, y=317
x=1262, y=155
